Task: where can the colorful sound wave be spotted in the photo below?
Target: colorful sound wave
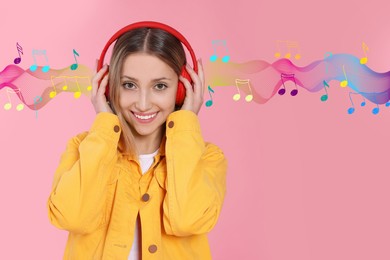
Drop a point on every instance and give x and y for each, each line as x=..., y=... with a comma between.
x=259, y=79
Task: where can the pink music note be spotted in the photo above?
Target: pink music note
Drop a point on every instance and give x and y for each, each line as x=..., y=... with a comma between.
x=20, y=51
x=34, y=67
x=75, y=65
x=8, y=105
x=283, y=76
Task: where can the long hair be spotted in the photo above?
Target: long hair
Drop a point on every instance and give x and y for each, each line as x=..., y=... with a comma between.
x=153, y=41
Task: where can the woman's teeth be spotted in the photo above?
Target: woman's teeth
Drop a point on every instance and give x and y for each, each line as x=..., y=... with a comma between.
x=145, y=117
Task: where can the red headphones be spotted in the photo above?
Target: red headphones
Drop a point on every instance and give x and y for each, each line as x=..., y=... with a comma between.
x=181, y=91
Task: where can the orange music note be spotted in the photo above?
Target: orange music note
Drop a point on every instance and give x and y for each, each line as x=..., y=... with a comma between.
x=289, y=45
x=75, y=65
x=209, y=102
x=283, y=76
x=20, y=51
x=245, y=82
x=8, y=105
x=365, y=58
x=344, y=83
x=34, y=67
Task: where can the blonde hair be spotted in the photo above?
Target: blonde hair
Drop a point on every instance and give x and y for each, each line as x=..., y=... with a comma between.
x=152, y=41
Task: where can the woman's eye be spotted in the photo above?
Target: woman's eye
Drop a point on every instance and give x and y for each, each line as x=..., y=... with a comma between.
x=128, y=85
x=161, y=86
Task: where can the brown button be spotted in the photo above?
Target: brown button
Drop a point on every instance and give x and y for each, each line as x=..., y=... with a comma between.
x=145, y=197
x=116, y=129
x=152, y=248
x=171, y=124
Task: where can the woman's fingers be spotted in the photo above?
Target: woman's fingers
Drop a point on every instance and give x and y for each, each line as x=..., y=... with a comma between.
x=97, y=78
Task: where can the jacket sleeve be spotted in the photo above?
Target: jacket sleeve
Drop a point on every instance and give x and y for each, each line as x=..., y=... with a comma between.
x=78, y=192
x=196, y=178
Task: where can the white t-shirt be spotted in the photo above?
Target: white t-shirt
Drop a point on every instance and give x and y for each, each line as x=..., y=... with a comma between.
x=146, y=160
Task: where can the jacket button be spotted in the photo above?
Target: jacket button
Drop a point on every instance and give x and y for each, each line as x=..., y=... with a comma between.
x=171, y=124
x=145, y=197
x=116, y=129
x=152, y=248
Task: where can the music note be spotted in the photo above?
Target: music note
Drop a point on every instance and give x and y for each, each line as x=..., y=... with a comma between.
x=237, y=96
x=283, y=76
x=75, y=65
x=365, y=58
x=20, y=51
x=37, y=100
x=352, y=108
x=209, y=103
x=325, y=96
x=290, y=45
x=8, y=105
x=34, y=67
x=214, y=57
x=344, y=83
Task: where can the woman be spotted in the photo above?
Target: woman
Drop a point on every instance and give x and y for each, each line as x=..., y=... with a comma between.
x=142, y=182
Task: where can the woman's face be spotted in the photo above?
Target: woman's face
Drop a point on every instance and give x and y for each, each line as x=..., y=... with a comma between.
x=147, y=93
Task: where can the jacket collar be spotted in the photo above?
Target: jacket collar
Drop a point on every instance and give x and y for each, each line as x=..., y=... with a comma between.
x=160, y=153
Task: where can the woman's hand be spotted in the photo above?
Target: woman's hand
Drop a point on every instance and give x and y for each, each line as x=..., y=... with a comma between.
x=98, y=98
x=194, y=97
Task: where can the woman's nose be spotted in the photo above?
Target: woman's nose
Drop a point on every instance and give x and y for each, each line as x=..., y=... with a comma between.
x=144, y=103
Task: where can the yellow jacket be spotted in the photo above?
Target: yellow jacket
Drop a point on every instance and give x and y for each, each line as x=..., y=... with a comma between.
x=98, y=192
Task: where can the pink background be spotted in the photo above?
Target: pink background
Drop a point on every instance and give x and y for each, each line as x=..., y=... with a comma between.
x=305, y=181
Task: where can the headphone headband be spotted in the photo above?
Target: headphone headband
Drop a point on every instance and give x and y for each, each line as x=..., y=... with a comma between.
x=148, y=24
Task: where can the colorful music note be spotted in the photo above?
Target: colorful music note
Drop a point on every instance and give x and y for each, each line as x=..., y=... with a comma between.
x=283, y=76
x=75, y=65
x=290, y=45
x=34, y=67
x=20, y=51
x=53, y=93
x=365, y=58
x=214, y=57
x=344, y=83
x=8, y=105
x=325, y=96
x=209, y=103
x=352, y=108
x=37, y=100
x=237, y=96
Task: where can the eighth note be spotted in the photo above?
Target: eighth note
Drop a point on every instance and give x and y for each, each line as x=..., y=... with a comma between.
x=365, y=58
x=209, y=103
x=325, y=96
x=214, y=57
x=20, y=51
x=34, y=67
x=293, y=92
x=8, y=105
x=75, y=65
x=344, y=83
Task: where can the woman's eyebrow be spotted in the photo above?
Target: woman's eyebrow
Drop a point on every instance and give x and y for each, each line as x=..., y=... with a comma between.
x=153, y=80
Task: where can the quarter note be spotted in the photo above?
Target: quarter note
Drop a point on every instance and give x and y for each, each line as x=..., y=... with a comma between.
x=216, y=43
x=34, y=67
x=325, y=96
x=8, y=105
x=20, y=51
x=365, y=58
x=244, y=82
x=75, y=65
x=283, y=76
x=344, y=83
x=209, y=103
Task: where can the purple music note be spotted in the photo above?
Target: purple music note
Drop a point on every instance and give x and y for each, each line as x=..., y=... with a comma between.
x=20, y=51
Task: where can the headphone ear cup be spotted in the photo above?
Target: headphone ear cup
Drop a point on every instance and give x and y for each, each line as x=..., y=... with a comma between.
x=181, y=89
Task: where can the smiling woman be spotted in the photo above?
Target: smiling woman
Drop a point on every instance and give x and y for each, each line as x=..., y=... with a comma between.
x=142, y=183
